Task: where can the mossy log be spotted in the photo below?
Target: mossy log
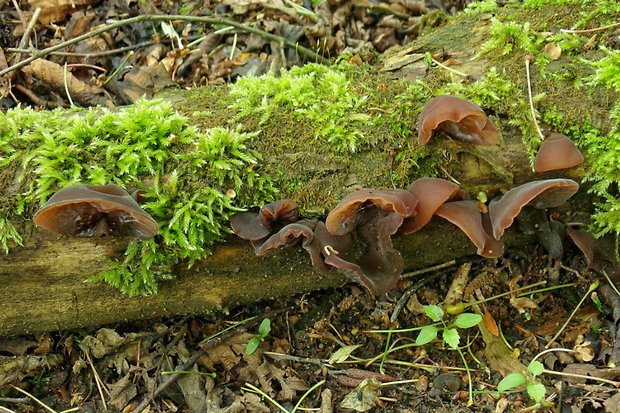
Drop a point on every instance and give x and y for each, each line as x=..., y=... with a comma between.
x=42, y=284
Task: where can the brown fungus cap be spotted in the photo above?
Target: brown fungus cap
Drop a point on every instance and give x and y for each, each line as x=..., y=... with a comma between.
x=467, y=216
x=431, y=193
x=256, y=227
x=94, y=211
x=600, y=253
x=345, y=216
x=459, y=118
x=378, y=267
x=557, y=152
x=291, y=234
x=547, y=193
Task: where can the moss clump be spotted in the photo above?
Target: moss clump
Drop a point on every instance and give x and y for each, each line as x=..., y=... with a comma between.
x=321, y=95
x=193, y=180
x=604, y=150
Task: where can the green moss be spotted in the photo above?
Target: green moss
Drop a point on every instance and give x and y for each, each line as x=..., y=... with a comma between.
x=507, y=37
x=321, y=95
x=193, y=180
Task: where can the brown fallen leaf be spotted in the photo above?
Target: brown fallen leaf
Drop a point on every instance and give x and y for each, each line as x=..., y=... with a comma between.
x=57, y=10
x=54, y=75
x=490, y=323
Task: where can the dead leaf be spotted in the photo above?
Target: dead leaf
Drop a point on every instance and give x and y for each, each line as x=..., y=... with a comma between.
x=57, y=77
x=57, y=10
x=364, y=397
x=554, y=51
x=490, y=323
x=522, y=304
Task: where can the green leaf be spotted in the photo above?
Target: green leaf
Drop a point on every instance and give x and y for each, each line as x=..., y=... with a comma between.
x=536, y=391
x=427, y=334
x=253, y=344
x=510, y=382
x=467, y=320
x=433, y=312
x=264, y=328
x=451, y=337
x=342, y=354
x=536, y=368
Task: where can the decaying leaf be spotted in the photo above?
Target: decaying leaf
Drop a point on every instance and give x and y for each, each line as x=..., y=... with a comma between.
x=342, y=354
x=554, y=51
x=61, y=80
x=364, y=397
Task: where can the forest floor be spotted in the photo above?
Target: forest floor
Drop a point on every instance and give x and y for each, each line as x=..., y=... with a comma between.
x=317, y=352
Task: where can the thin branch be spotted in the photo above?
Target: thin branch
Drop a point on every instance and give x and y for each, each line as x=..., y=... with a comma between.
x=156, y=18
x=596, y=29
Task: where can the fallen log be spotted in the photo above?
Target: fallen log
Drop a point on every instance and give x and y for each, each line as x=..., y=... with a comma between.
x=42, y=283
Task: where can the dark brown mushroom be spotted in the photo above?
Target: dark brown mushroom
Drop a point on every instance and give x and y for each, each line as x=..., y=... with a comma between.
x=292, y=234
x=459, y=118
x=375, y=264
x=369, y=217
x=477, y=226
x=600, y=253
x=256, y=227
x=548, y=193
x=557, y=152
x=94, y=211
x=344, y=217
x=431, y=193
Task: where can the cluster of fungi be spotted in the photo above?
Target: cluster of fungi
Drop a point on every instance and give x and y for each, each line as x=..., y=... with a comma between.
x=355, y=238
x=356, y=235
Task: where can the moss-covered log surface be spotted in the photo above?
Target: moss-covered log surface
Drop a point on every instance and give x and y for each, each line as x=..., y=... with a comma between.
x=314, y=134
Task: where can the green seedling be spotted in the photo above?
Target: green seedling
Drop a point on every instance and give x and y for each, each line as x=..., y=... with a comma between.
x=449, y=334
x=535, y=390
x=263, y=330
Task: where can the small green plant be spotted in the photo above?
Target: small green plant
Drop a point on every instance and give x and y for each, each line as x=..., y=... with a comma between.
x=535, y=390
x=511, y=36
x=449, y=334
x=263, y=331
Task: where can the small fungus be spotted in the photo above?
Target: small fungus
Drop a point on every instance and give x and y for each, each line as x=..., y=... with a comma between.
x=256, y=227
x=94, y=211
x=345, y=217
x=293, y=233
x=600, y=253
x=467, y=216
x=431, y=193
x=371, y=217
x=459, y=118
x=378, y=268
x=557, y=152
x=548, y=193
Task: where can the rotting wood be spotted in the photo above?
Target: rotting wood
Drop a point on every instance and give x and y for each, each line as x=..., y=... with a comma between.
x=42, y=285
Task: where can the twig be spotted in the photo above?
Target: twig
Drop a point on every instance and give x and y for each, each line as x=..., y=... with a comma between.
x=449, y=69
x=217, y=339
x=596, y=29
x=430, y=269
x=156, y=18
x=23, y=43
x=64, y=77
x=592, y=287
x=100, y=386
